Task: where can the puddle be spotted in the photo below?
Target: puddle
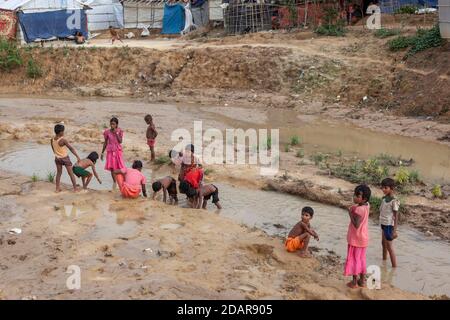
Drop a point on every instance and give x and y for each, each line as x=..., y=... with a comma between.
x=424, y=262
x=318, y=135
x=39, y=161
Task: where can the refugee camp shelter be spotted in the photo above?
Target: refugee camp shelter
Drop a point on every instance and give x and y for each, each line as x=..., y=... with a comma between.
x=140, y=13
x=47, y=19
x=150, y=13
x=391, y=6
x=173, y=19
x=103, y=13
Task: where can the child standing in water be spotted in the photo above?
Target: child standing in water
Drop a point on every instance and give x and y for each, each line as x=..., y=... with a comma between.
x=298, y=238
x=79, y=169
x=113, y=146
x=358, y=237
x=151, y=135
x=389, y=219
x=60, y=147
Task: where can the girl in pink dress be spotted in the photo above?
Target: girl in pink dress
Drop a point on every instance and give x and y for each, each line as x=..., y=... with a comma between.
x=358, y=237
x=113, y=146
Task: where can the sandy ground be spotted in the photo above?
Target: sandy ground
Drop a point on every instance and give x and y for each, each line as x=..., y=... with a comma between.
x=106, y=235
x=107, y=238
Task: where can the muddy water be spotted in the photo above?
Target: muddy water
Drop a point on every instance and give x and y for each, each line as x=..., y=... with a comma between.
x=432, y=160
x=424, y=262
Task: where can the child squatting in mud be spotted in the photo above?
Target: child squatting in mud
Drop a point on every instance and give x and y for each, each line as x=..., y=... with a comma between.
x=298, y=238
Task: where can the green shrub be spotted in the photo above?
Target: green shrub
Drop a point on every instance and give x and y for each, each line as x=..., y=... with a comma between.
x=10, y=57
x=51, y=177
x=208, y=171
x=287, y=148
x=332, y=26
x=408, y=9
x=437, y=191
x=318, y=158
x=300, y=153
x=369, y=171
x=295, y=140
x=386, y=33
x=34, y=71
x=400, y=43
x=375, y=203
x=163, y=160
x=35, y=178
x=422, y=40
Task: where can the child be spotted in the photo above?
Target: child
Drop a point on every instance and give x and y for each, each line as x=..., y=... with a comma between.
x=131, y=181
x=151, y=135
x=188, y=161
x=113, y=145
x=79, y=38
x=79, y=169
x=358, y=237
x=206, y=192
x=169, y=185
x=60, y=146
x=389, y=219
x=298, y=238
x=114, y=35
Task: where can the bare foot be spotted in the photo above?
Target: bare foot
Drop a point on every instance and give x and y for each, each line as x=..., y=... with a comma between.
x=76, y=189
x=352, y=285
x=362, y=283
x=58, y=190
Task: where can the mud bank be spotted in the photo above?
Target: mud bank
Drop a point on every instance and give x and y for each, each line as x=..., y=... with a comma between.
x=122, y=247
x=271, y=69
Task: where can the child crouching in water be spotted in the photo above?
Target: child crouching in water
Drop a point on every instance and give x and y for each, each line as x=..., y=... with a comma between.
x=168, y=185
x=298, y=238
x=79, y=169
x=358, y=237
x=199, y=197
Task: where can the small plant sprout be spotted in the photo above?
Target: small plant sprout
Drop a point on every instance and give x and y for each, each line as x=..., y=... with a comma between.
x=295, y=140
x=34, y=178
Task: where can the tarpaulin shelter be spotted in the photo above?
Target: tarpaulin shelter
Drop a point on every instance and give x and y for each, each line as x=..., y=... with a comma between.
x=174, y=18
x=104, y=13
x=48, y=19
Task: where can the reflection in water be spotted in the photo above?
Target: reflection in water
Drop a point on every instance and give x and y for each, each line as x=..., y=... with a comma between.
x=423, y=262
x=432, y=160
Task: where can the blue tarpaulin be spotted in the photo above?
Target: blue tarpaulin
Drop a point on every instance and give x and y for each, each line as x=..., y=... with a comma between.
x=173, y=20
x=390, y=6
x=59, y=24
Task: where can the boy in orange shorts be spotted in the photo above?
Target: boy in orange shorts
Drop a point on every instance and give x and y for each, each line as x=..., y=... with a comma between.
x=298, y=238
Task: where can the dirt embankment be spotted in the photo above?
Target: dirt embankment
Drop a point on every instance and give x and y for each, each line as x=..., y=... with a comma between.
x=271, y=69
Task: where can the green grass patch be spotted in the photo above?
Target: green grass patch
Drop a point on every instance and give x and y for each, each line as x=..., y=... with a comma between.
x=295, y=140
x=35, y=178
x=10, y=57
x=422, y=40
x=34, y=71
x=161, y=160
x=386, y=33
x=51, y=177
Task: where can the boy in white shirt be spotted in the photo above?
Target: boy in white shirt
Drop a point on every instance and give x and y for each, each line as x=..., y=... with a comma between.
x=389, y=219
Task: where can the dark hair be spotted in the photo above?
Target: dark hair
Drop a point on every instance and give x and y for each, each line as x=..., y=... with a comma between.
x=137, y=164
x=93, y=156
x=114, y=119
x=184, y=186
x=388, y=182
x=148, y=118
x=308, y=210
x=59, y=128
x=190, y=147
x=174, y=153
x=364, y=191
x=191, y=192
x=156, y=186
